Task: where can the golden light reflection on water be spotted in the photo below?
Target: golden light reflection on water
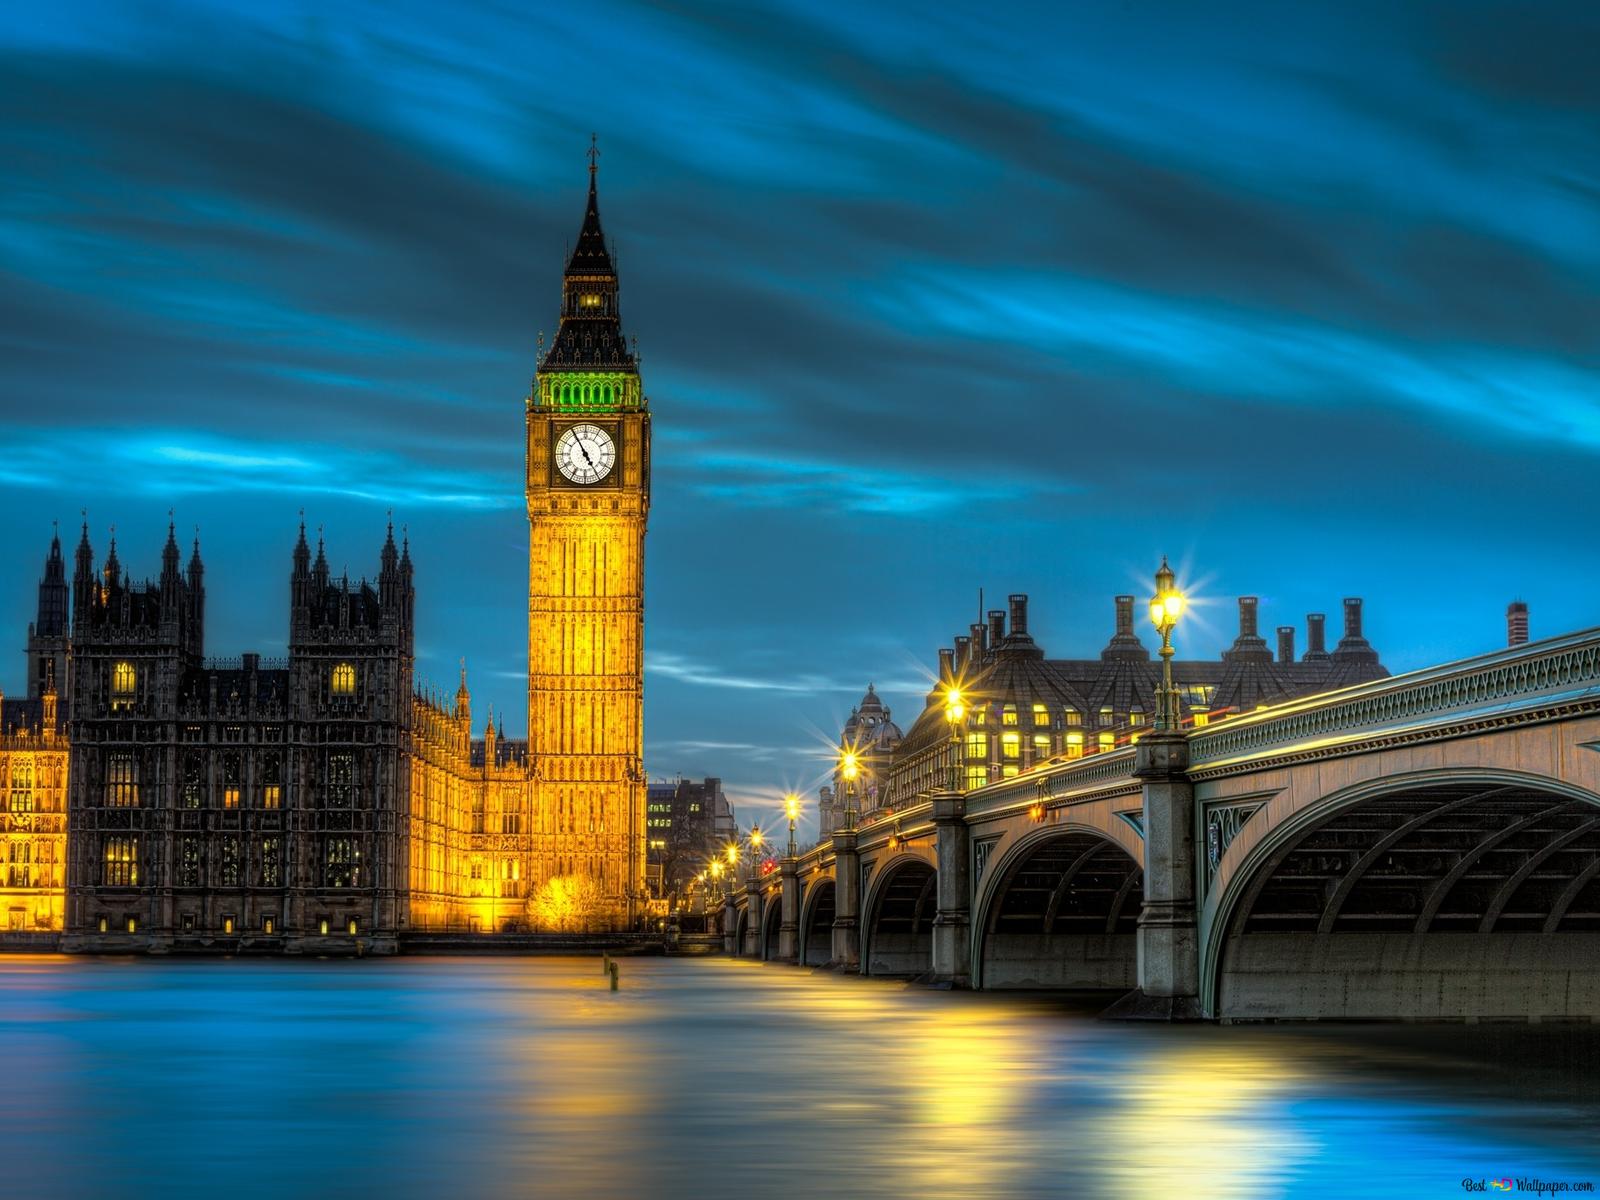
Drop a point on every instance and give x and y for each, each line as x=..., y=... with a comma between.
x=1217, y=1112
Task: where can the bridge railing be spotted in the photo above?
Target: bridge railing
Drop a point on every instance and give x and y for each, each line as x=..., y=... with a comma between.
x=1056, y=781
x=1556, y=667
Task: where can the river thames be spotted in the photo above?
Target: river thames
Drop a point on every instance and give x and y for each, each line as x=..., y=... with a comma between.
x=708, y=1077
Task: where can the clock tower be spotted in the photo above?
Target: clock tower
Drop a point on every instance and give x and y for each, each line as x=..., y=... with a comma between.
x=588, y=488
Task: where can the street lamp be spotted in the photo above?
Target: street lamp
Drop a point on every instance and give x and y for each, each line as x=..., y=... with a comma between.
x=755, y=849
x=955, y=712
x=716, y=875
x=850, y=768
x=791, y=808
x=1166, y=606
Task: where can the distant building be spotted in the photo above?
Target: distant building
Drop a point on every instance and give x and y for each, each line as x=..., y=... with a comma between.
x=872, y=738
x=687, y=823
x=1025, y=709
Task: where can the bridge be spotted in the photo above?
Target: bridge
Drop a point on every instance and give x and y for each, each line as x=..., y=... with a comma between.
x=1423, y=847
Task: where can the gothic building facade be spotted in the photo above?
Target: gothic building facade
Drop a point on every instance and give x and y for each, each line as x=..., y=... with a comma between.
x=156, y=799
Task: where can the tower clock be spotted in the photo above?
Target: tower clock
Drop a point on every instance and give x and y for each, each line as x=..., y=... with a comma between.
x=588, y=488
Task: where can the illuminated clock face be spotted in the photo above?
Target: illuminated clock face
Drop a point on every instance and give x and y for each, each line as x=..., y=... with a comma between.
x=585, y=453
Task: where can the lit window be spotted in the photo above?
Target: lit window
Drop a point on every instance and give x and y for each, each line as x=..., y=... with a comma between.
x=977, y=776
x=230, y=797
x=21, y=786
x=1008, y=715
x=351, y=928
x=1072, y=716
x=344, y=680
x=1074, y=745
x=977, y=745
x=322, y=925
x=1041, y=715
x=123, y=679
x=1010, y=745
x=342, y=864
x=1041, y=745
x=227, y=924
x=121, y=867
x=1136, y=716
x=122, y=781
x=1108, y=741
x=1009, y=771
x=103, y=924
x=271, y=796
x=266, y=924
x=133, y=925
x=1201, y=718
x=980, y=716
x=1107, y=717
x=271, y=867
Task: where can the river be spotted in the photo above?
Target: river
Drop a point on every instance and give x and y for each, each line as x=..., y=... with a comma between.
x=706, y=1078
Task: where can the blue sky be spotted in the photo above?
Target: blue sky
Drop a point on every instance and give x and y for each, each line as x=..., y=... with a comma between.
x=1020, y=298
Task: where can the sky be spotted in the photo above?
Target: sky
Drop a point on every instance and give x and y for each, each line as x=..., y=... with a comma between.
x=929, y=298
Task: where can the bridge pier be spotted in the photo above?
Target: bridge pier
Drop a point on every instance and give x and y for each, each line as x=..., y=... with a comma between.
x=789, y=911
x=952, y=957
x=753, y=924
x=1168, y=938
x=730, y=924
x=846, y=900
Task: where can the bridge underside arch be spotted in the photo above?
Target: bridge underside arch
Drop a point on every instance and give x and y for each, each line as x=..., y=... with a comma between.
x=816, y=933
x=900, y=927
x=1441, y=901
x=768, y=949
x=741, y=930
x=1065, y=916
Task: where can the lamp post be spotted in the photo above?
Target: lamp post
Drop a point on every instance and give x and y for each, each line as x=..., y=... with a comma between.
x=1166, y=606
x=791, y=808
x=850, y=768
x=955, y=712
x=716, y=876
x=755, y=850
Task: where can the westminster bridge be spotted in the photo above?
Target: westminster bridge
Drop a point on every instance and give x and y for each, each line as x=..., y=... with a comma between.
x=1423, y=847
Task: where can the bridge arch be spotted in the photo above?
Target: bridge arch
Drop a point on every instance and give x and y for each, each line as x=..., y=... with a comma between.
x=816, y=924
x=767, y=949
x=1445, y=893
x=1059, y=909
x=897, y=933
x=741, y=928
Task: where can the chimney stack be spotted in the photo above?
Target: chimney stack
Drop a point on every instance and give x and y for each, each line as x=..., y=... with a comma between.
x=1247, y=616
x=1352, y=617
x=997, y=627
x=975, y=632
x=1019, y=614
x=963, y=652
x=1353, y=647
x=1124, y=616
x=1316, y=636
x=1517, y=623
x=1286, y=643
x=947, y=663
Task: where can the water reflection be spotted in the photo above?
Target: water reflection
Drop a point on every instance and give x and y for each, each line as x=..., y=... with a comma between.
x=711, y=1078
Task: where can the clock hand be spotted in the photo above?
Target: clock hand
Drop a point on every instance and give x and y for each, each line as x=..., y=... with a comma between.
x=586, y=457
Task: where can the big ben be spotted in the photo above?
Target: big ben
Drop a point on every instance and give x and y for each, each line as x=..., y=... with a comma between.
x=588, y=488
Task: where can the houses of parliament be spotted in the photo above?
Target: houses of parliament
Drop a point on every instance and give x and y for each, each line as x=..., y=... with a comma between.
x=155, y=799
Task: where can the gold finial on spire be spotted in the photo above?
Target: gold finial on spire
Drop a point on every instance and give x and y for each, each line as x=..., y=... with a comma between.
x=594, y=154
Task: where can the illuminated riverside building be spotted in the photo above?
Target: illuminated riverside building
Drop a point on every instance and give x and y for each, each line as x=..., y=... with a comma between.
x=1025, y=709
x=167, y=801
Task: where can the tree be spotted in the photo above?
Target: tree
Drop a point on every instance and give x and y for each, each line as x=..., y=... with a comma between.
x=572, y=904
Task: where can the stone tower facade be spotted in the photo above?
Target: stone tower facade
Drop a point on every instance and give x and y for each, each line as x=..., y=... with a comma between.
x=588, y=492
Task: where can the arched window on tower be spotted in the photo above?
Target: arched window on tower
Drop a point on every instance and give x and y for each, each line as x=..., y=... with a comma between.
x=343, y=682
x=123, y=681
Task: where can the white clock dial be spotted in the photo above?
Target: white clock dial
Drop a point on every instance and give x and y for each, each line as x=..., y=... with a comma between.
x=585, y=453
